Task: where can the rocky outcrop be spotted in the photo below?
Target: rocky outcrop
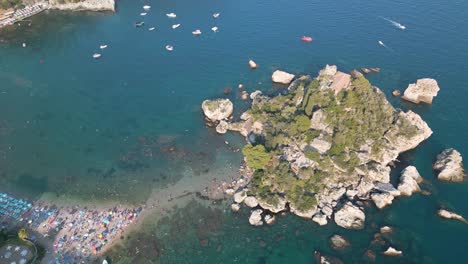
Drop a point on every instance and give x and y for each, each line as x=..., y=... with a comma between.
x=325, y=259
x=251, y=201
x=303, y=213
x=282, y=77
x=391, y=252
x=83, y=5
x=338, y=242
x=350, y=217
x=217, y=109
x=385, y=230
x=451, y=215
x=424, y=90
x=274, y=208
x=255, y=218
x=409, y=180
x=449, y=164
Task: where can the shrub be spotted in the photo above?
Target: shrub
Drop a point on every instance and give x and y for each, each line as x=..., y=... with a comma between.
x=256, y=157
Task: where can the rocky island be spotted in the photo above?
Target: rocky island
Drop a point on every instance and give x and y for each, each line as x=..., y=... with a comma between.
x=322, y=147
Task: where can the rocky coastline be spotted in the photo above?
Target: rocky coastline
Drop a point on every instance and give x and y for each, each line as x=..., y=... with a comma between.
x=304, y=160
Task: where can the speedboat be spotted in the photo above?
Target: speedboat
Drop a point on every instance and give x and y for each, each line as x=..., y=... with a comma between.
x=169, y=48
x=214, y=29
x=143, y=14
x=306, y=39
x=216, y=15
x=151, y=28
x=196, y=32
x=381, y=43
x=171, y=15
x=146, y=7
x=96, y=56
x=103, y=46
x=139, y=24
x=175, y=26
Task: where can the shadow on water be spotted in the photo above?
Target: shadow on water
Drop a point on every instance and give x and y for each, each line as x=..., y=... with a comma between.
x=30, y=185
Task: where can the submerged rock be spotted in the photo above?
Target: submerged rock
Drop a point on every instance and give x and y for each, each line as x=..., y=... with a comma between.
x=449, y=163
x=282, y=77
x=217, y=109
x=396, y=93
x=325, y=259
x=392, y=252
x=385, y=230
x=451, y=215
x=409, y=180
x=339, y=242
x=424, y=90
x=350, y=217
x=255, y=218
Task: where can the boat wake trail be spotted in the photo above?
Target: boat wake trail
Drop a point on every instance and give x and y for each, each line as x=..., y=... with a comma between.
x=385, y=46
x=394, y=23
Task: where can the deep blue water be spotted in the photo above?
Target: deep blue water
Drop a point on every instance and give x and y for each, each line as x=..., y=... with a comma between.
x=66, y=120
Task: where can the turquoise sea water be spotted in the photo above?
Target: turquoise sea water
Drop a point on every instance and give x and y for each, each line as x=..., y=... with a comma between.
x=117, y=127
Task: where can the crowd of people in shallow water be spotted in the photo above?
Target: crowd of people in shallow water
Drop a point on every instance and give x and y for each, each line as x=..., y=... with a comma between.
x=78, y=234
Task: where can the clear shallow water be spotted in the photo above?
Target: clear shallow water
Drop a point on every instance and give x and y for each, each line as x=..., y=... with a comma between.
x=66, y=121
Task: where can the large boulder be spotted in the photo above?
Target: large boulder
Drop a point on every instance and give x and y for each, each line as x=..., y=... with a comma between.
x=251, y=201
x=451, y=215
x=240, y=196
x=320, y=219
x=421, y=91
x=409, y=180
x=222, y=127
x=449, y=164
x=255, y=218
x=217, y=109
x=391, y=252
x=282, y=77
x=350, y=217
x=303, y=213
x=382, y=199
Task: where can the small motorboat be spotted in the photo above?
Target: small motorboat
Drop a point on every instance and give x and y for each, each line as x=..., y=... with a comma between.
x=216, y=15
x=381, y=43
x=175, y=26
x=214, y=29
x=196, y=32
x=169, y=48
x=103, y=46
x=146, y=7
x=306, y=39
x=96, y=56
x=139, y=24
x=143, y=14
x=151, y=28
x=171, y=15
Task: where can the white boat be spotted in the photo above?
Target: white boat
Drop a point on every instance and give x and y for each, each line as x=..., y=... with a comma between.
x=196, y=32
x=103, y=46
x=171, y=15
x=169, y=48
x=175, y=26
x=143, y=14
x=216, y=15
x=214, y=29
x=151, y=28
x=96, y=56
x=146, y=7
x=381, y=43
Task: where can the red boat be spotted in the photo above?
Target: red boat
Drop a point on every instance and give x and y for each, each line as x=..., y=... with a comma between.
x=306, y=39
